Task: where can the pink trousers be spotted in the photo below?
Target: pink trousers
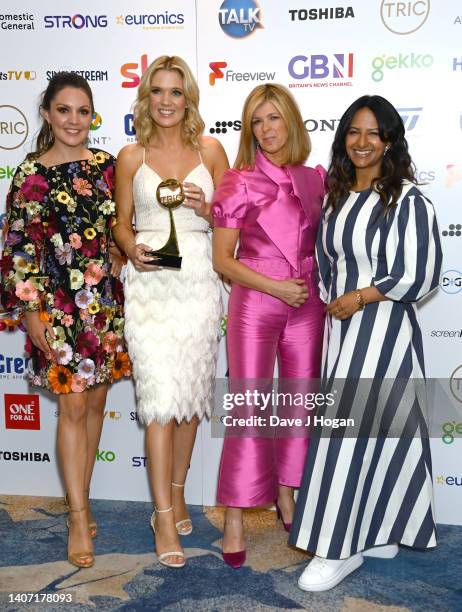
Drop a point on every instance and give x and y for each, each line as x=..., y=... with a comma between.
x=260, y=329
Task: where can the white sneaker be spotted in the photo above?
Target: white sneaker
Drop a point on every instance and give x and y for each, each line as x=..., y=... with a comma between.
x=324, y=574
x=389, y=551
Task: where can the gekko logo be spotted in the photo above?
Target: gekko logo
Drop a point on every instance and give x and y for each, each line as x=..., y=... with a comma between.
x=239, y=18
x=88, y=75
x=14, y=127
x=410, y=116
x=102, y=455
x=133, y=78
x=233, y=76
x=75, y=22
x=157, y=21
x=403, y=61
x=451, y=481
x=451, y=281
x=18, y=75
x=6, y=173
x=96, y=122
x=454, y=231
x=451, y=429
x=338, y=12
x=22, y=411
x=404, y=17
x=13, y=366
x=338, y=66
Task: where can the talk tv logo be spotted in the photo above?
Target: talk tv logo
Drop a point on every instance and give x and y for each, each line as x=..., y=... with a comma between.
x=404, y=17
x=239, y=18
x=22, y=411
x=14, y=127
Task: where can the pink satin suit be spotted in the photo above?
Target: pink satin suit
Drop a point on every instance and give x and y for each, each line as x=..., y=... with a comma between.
x=277, y=210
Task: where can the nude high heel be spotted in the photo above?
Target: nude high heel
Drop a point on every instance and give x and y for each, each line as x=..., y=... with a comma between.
x=185, y=526
x=84, y=559
x=164, y=556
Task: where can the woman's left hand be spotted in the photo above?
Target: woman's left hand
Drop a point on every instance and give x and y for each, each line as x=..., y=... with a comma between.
x=117, y=259
x=343, y=307
x=195, y=199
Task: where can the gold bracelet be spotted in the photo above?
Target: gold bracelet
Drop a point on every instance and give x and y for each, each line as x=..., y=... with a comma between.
x=359, y=299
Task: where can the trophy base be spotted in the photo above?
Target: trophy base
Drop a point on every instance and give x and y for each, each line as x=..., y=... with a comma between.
x=164, y=260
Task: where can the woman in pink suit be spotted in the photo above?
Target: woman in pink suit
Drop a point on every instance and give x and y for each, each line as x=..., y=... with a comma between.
x=271, y=204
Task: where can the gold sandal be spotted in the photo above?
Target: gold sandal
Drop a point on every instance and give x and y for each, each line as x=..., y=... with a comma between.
x=81, y=559
x=185, y=526
x=163, y=556
x=93, y=527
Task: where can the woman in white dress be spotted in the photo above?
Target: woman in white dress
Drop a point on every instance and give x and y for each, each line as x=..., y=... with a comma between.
x=172, y=316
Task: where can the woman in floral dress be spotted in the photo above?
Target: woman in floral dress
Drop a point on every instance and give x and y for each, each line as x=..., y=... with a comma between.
x=59, y=268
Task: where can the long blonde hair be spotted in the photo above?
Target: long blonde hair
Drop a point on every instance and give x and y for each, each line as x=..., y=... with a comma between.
x=298, y=143
x=192, y=126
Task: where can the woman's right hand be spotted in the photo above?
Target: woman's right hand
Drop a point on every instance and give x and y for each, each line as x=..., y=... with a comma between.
x=36, y=329
x=292, y=291
x=139, y=258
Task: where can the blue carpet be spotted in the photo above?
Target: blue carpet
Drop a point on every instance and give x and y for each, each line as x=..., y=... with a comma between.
x=127, y=576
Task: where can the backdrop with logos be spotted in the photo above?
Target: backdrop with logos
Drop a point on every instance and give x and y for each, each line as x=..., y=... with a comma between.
x=328, y=53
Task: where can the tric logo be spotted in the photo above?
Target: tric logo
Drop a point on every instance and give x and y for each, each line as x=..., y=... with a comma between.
x=216, y=71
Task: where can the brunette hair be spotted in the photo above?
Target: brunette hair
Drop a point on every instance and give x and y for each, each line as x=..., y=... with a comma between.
x=192, y=125
x=298, y=142
x=396, y=163
x=58, y=81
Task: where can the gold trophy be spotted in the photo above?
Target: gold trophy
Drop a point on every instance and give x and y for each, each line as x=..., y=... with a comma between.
x=170, y=195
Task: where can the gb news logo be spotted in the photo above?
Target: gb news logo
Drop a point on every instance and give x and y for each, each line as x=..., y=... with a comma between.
x=22, y=411
x=334, y=70
x=239, y=18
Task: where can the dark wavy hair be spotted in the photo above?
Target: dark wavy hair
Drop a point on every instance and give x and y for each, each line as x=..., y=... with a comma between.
x=58, y=81
x=396, y=163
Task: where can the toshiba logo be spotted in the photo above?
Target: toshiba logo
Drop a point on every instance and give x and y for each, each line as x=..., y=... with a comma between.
x=22, y=411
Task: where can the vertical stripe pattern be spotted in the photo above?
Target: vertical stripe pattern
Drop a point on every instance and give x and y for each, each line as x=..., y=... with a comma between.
x=375, y=488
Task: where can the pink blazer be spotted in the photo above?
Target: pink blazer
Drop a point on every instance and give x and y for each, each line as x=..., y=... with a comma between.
x=277, y=209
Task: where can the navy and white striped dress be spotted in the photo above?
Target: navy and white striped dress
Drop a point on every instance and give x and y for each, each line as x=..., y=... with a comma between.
x=374, y=488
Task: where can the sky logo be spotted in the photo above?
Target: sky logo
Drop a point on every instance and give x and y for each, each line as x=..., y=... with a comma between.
x=239, y=18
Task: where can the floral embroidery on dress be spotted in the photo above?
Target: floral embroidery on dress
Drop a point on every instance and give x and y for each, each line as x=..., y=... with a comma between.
x=56, y=260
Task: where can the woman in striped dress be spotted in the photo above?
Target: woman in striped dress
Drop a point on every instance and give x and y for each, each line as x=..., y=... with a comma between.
x=369, y=488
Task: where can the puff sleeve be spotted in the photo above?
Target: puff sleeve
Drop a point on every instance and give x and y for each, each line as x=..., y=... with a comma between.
x=410, y=262
x=229, y=205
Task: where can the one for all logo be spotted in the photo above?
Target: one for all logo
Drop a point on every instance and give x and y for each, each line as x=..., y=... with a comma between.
x=22, y=411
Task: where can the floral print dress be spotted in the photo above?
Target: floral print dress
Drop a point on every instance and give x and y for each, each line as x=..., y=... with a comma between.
x=56, y=260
